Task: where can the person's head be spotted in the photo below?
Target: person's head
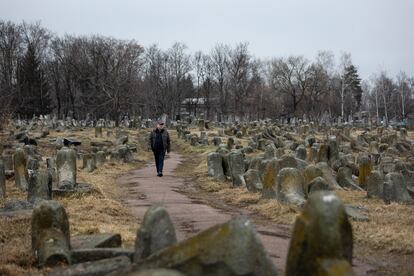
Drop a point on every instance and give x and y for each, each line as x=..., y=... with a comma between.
x=160, y=125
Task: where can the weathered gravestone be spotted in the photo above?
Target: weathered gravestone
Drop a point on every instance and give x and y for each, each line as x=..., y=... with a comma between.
x=98, y=131
x=50, y=234
x=289, y=185
x=66, y=168
x=215, y=166
x=2, y=180
x=100, y=158
x=232, y=248
x=253, y=181
x=40, y=186
x=365, y=168
x=270, y=171
x=344, y=178
x=375, y=185
x=20, y=170
x=156, y=233
x=321, y=241
x=236, y=166
x=395, y=189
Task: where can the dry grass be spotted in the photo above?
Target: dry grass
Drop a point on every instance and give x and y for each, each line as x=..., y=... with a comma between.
x=390, y=227
x=96, y=212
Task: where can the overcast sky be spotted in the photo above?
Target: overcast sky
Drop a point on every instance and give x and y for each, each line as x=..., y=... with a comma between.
x=378, y=33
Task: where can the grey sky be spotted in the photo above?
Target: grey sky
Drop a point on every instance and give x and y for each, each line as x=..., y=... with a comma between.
x=378, y=33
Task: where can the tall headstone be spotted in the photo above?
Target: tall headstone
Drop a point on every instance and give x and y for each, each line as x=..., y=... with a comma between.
x=66, y=168
x=21, y=175
x=2, y=180
x=215, y=166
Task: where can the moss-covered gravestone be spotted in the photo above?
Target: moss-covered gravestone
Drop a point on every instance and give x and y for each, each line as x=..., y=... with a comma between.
x=322, y=240
x=365, y=168
x=270, y=171
x=232, y=248
x=50, y=234
x=21, y=175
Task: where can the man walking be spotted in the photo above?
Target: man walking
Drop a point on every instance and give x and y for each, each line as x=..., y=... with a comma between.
x=159, y=141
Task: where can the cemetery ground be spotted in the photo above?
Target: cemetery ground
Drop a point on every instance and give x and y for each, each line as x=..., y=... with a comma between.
x=385, y=242
x=98, y=211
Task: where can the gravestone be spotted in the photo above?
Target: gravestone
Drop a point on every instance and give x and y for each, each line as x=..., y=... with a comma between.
x=289, y=185
x=155, y=233
x=215, y=166
x=40, y=186
x=66, y=168
x=375, y=185
x=253, y=181
x=237, y=168
x=2, y=180
x=365, y=168
x=321, y=241
x=232, y=248
x=50, y=234
x=395, y=189
x=20, y=170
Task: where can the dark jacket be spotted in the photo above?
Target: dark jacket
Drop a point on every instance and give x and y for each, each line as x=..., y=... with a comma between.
x=165, y=139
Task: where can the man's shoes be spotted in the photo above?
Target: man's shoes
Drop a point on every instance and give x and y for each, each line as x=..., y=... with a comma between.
x=160, y=174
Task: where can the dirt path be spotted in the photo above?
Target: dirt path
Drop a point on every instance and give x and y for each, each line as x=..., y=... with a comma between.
x=142, y=188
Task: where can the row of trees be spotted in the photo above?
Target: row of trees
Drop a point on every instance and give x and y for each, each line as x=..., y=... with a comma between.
x=44, y=73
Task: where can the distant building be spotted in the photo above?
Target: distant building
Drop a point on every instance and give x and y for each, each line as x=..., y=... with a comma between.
x=198, y=108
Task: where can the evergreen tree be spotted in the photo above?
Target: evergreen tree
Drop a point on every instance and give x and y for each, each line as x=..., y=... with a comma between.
x=353, y=82
x=34, y=93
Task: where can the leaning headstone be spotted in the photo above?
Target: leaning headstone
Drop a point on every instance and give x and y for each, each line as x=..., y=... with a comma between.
x=395, y=189
x=344, y=178
x=40, y=186
x=50, y=234
x=322, y=238
x=215, y=166
x=20, y=170
x=236, y=165
x=327, y=175
x=66, y=168
x=289, y=185
x=253, y=181
x=156, y=232
x=2, y=180
x=232, y=248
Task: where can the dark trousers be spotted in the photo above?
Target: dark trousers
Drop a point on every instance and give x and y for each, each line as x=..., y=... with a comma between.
x=159, y=160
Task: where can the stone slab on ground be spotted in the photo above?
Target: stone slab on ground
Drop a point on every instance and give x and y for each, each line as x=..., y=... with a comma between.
x=107, y=240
